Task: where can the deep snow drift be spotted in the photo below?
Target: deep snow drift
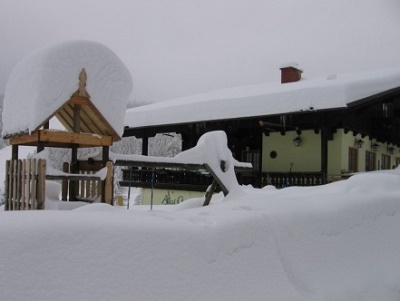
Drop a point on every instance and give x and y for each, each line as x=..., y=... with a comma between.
x=334, y=242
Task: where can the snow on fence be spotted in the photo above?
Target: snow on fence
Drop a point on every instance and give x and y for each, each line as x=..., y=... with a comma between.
x=25, y=184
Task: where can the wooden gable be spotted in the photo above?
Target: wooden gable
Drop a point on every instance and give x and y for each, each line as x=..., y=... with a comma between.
x=85, y=125
x=91, y=120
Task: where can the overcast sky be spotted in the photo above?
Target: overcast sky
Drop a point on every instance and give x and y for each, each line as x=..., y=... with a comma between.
x=181, y=47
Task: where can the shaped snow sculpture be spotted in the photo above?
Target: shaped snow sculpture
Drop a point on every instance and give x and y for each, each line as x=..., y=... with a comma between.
x=212, y=151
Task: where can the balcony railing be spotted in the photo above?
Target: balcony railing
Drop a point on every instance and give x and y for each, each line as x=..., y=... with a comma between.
x=199, y=181
x=281, y=180
x=166, y=178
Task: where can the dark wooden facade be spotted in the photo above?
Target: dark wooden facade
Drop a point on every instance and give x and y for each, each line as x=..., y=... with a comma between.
x=377, y=116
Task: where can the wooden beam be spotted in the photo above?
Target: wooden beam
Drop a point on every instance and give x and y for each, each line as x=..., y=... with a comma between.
x=79, y=100
x=25, y=139
x=60, y=138
x=75, y=138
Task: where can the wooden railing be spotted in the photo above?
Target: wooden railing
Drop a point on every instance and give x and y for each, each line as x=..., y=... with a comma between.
x=170, y=178
x=87, y=186
x=281, y=180
x=197, y=181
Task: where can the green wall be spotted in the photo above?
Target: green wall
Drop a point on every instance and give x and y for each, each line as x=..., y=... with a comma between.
x=306, y=157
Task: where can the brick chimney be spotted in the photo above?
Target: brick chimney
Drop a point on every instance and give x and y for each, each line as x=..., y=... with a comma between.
x=290, y=73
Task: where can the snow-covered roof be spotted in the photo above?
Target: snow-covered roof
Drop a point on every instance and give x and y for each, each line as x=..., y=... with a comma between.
x=43, y=81
x=333, y=91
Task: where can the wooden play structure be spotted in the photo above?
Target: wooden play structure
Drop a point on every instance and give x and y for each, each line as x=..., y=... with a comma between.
x=85, y=127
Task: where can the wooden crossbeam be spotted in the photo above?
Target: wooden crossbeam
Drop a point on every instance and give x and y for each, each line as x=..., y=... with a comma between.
x=49, y=137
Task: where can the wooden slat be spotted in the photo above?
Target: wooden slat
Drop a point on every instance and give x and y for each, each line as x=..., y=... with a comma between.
x=65, y=117
x=87, y=187
x=71, y=177
x=33, y=202
x=82, y=186
x=23, y=182
x=28, y=184
x=14, y=192
x=92, y=121
x=92, y=124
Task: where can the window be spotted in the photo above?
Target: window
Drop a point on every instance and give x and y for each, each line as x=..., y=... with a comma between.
x=387, y=110
x=353, y=159
x=252, y=156
x=397, y=161
x=386, y=162
x=370, y=161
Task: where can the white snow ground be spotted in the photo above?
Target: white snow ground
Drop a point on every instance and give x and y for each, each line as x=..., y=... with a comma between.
x=334, y=242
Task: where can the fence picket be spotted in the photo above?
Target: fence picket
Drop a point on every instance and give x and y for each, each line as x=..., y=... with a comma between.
x=27, y=183
x=23, y=182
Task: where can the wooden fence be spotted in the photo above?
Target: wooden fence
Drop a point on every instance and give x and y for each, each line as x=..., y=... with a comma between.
x=25, y=184
x=25, y=187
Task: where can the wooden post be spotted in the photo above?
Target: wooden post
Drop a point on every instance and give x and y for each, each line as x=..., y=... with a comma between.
x=210, y=192
x=64, y=185
x=223, y=187
x=7, y=188
x=108, y=189
x=41, y=184
x=106, y=154
x=14, y=150
x=74, y=168
x=145, y=145
x=39, y=147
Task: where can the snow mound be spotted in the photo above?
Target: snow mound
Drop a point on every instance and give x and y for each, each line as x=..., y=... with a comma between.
x=43, y=81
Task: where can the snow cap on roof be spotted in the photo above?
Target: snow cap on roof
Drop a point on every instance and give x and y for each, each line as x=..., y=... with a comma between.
x=43, y=81
x=273, y=98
